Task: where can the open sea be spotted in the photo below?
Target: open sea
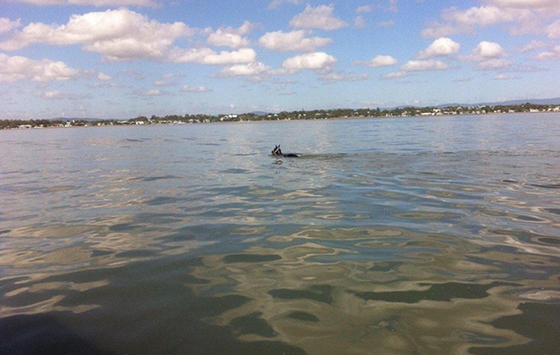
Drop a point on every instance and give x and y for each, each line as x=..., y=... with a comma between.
x=432, y=235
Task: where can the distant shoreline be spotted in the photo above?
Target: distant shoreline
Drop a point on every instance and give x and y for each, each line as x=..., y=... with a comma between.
x=337, y=114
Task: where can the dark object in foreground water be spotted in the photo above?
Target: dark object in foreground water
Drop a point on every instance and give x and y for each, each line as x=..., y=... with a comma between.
x=278, y=152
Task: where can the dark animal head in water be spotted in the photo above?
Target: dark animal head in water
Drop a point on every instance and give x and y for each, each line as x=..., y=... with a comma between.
x=277, y=150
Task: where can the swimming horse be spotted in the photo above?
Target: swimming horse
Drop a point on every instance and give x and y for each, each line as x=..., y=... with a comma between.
x=278, y=152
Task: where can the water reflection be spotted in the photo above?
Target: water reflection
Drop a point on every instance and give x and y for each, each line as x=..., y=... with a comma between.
x=414, y=293
x=190, y=240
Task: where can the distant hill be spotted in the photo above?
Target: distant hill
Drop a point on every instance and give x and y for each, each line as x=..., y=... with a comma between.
x=87, y=119
x=551, y=101
x=259, y=113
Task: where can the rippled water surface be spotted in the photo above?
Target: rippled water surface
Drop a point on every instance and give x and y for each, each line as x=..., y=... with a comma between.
x=387, y=236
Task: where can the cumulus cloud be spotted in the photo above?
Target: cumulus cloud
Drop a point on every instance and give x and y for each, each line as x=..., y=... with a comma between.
x=553, y=30
x=441, y=47
x=532, y=46
x=163, y=83
x=532, y=4
x=116, y=34
x=154, y=92
x=524, y=16
x=320, y=17
x=505, y=77
x=489, y=55
x=276, y=3
x=485, y=51
x=318, y=61
x=103, y=77
x=477, y=16
x=493, y=64
x=245, y=69
x=231, y=37
x=52, y=95
x=423, y=65
x=378, y=61
x=395, y=75
x=198, y=89
x=553, y=54
x=341, y=76
x=6, y=25
x=208, y=56
x=16, y=68
x=98, y=3
x=488, y=50
x=292, y=41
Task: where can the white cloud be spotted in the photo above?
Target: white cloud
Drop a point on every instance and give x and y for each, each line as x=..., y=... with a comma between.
x=364, y=9
x=424, y=65
x=360, y=22
x=16, y=68
x=154, y=92
x=438, y=29
x=341, y=76
x=395, y=75
x=318, y=61
x=117, y=34
x=98, y=3
x=488, y=50
x=320, y=17
x=6, y=25
x=104, y=77
x=276, y=3
x=553, y=54
x=493, y=64
x=191, y=55
x=505, y=77
x=477, y=16
x=163, y=83
x=553, y=30
x=489, y=55
x=198, y=89
x=485, y=51
x=208, y=56
x=292, y=41
x=531, y=4
x=230, y=37
x=42, y=2
x=52, y=95
x=441, y=47
x=244, y=55
x=525, y=16
x=378, y=61
x=532, y=46
x=245, y=69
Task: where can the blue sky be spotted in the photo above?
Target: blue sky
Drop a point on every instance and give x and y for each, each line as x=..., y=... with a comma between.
x=124, y=58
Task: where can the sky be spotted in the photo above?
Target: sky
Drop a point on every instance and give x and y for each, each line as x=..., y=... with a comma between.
x=121, y=59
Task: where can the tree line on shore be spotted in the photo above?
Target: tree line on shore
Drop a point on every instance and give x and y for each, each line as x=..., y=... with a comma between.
x=408, y=111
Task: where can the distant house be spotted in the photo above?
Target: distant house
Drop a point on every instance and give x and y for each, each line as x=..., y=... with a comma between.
x=228, y=118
